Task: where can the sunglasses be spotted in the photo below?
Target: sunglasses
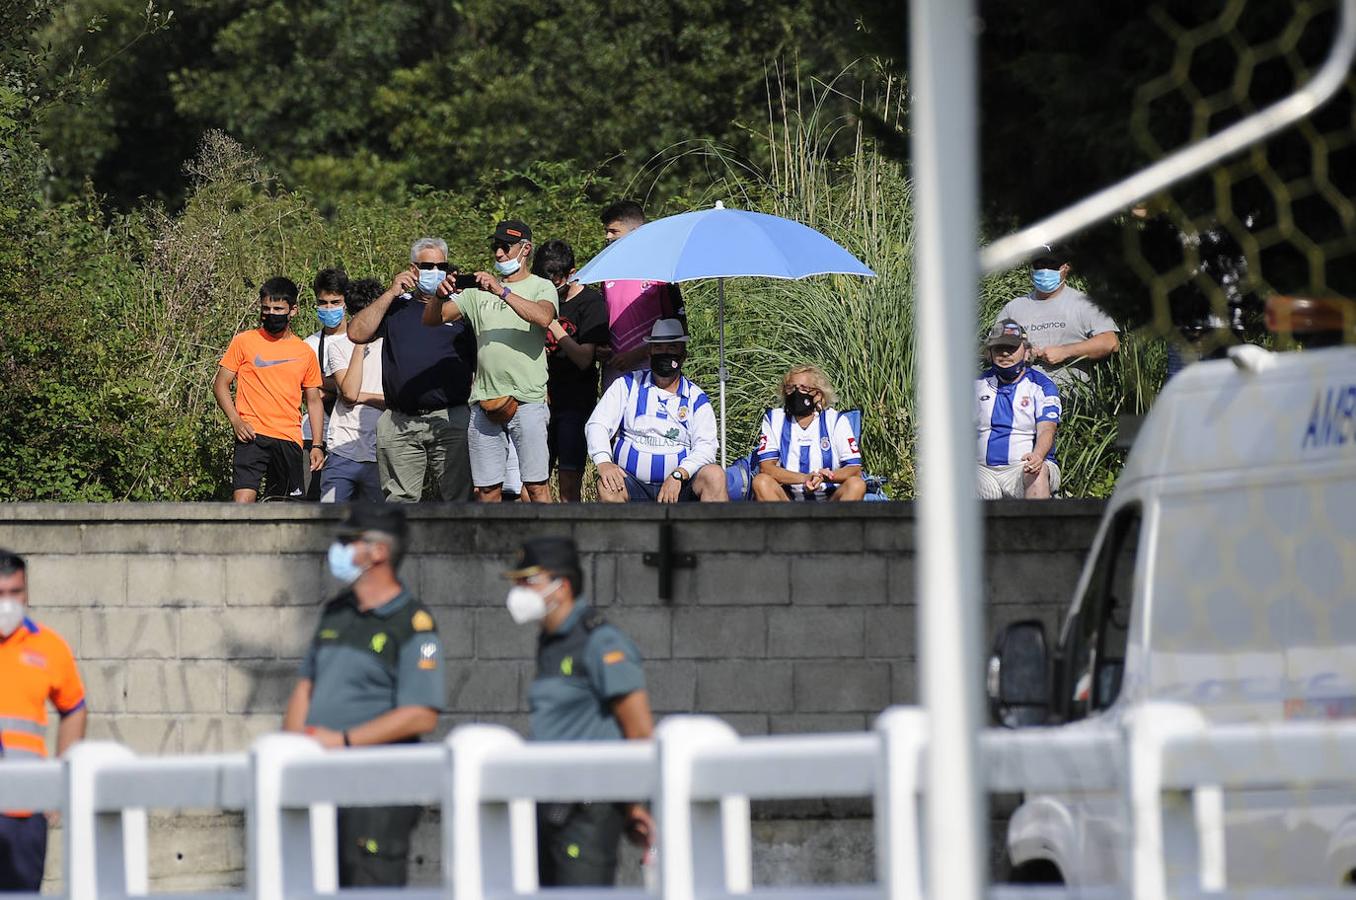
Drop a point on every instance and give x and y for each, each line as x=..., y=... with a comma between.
x=497, y=244
x=427, y=266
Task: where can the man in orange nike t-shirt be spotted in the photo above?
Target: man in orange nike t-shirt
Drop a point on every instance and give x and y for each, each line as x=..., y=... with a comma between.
x=273, y=369
x=36, y=667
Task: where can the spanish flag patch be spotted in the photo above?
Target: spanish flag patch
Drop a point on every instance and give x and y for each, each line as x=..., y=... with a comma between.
x=615, y=656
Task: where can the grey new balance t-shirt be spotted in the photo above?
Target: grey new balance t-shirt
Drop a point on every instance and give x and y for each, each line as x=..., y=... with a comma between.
x=1065, y=318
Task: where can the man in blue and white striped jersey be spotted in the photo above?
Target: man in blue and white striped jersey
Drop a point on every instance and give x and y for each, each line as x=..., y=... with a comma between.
x=653, y=434
x=1017, y=410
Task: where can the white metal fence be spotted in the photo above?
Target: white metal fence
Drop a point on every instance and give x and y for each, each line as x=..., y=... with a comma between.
x=1167, y=764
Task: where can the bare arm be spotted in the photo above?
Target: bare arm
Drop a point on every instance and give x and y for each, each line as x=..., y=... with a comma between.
x=362, y=328
x=298, y=705
x=581, y=355
x=780, y=475
x=843, y=473
x=71, y=729
x=397, y=725
x=1045, y=439
x=315, y=408
x=633, y=714
x=1095, y=348
x=221, y=389
x=437, y=313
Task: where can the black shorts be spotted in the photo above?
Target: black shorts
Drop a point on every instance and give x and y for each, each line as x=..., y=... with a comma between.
x=268, y=460
x=565, y=441
x=643, y=490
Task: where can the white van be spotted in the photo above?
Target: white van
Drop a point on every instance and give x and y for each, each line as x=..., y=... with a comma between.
x=1223, y=575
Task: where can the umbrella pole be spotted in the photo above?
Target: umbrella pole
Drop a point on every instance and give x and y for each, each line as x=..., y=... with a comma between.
x=720, y=306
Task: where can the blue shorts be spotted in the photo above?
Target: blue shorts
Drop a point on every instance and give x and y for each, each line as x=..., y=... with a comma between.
x=641, y=491
x=23, y=852
x=345, y=479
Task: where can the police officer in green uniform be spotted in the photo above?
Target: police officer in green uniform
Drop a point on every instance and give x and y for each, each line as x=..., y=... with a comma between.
x=589, y=687
x=372, y=675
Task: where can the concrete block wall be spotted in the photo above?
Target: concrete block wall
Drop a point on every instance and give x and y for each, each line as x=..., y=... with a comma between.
x=189, y=619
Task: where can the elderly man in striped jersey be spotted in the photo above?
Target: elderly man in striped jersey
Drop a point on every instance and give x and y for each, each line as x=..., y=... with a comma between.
x=1018, y=409
x=653, y=434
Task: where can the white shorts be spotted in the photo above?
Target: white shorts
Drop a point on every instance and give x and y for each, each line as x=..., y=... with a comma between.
x=997, y=482
x=489, y=445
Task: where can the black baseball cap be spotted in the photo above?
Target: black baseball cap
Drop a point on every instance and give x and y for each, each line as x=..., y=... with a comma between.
x=511, y=231
x=379, y=517
x=1006, y=333
x=1050, y=256
x=556, y=555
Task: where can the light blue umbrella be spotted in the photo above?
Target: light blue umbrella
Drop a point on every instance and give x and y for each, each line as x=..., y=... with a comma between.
x=721, y=243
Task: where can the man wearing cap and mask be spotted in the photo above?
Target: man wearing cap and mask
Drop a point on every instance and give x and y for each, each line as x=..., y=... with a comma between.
x=508, y=399
x=589, y=686
x=653, y=434
x=36, y=667
x=426, y=379
x=373, y=674
x=1068, y=332
x=1017, y=410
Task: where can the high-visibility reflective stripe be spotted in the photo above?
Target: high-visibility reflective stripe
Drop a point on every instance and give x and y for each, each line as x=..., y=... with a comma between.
x=11, y=723
x=12, y=752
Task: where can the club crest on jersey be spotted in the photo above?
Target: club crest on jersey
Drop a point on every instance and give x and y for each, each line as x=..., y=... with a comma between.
x=823, y=443
x=682, y=413
x=1026, y=401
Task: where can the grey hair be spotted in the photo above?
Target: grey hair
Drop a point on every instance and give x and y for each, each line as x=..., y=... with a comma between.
x=427, y=243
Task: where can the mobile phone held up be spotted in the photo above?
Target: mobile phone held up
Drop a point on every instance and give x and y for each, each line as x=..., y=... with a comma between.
x=464, y=281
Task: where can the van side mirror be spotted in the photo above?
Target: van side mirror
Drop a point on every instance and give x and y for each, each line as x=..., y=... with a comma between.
x=1018, y=678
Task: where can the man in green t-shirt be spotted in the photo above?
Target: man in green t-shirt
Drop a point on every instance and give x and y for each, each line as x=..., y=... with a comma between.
x=508, y=397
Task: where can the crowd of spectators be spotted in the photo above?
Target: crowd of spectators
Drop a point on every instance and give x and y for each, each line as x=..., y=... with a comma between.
x=460, y=385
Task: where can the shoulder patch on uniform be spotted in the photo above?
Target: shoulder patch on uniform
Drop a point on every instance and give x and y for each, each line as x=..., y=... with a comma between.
x=615, y=656
x=378, y=642
x=422, y=621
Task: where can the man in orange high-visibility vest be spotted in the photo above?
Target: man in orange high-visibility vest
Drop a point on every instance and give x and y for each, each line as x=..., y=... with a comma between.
x=36, y=666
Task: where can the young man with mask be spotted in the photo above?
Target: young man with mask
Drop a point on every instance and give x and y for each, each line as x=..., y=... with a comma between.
x=351, y=468
x=426, y=379
x=807, y=450
x=1017, y=409
x=1068, y=332
x=633, y=306
x=572, y=344
x=665, y=433
x=273, y=370
x=508, y=398
x=589, y=687
x=329, y=287
x=372, y=675
x=36, y=667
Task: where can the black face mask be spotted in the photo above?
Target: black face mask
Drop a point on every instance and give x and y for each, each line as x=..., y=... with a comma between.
x=665, y=365
x=799, y=403
x=274, y=323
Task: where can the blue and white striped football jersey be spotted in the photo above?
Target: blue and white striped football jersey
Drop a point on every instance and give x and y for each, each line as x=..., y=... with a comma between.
x=828, y=443
x=649, y=431
x=1007, y=415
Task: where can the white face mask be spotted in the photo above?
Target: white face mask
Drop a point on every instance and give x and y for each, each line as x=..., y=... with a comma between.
x=11, y=616
x=526, y=605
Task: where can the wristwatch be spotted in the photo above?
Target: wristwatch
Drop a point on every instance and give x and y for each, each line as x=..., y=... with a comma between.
x=503, y=295
x=678, y=474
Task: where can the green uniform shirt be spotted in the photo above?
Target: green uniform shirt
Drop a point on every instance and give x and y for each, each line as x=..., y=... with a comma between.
x=363, y=664
x=510, y=353
x=581, y=669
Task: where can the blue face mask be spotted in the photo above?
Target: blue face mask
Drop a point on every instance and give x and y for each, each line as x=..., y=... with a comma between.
x=341, y=563
x=330, y=316
x=429, y=279
x=508, y=266
x=1047, y=281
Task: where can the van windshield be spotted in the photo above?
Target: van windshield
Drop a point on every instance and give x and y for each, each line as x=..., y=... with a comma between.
x=1099, y=633
x=1254, y=610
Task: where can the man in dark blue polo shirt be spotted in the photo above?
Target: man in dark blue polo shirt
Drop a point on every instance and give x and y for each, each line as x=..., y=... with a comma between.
x=589, y=687
x=426, y=377
x=372, y=675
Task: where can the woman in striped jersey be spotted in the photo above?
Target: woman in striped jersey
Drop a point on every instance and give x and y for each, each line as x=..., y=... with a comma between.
x=807, y=451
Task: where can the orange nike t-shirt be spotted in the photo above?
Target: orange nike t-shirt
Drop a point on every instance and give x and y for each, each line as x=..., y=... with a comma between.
x=271, y=373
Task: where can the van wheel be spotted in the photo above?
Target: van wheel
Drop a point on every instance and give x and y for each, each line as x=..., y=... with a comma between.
x=1037, y=871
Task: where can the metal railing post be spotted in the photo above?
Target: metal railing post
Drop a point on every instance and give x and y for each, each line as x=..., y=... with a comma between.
x=488, y=848
x=903, y=733
x=291, y=852
x=105, y=852
x=942, y=78
x=704, y=846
